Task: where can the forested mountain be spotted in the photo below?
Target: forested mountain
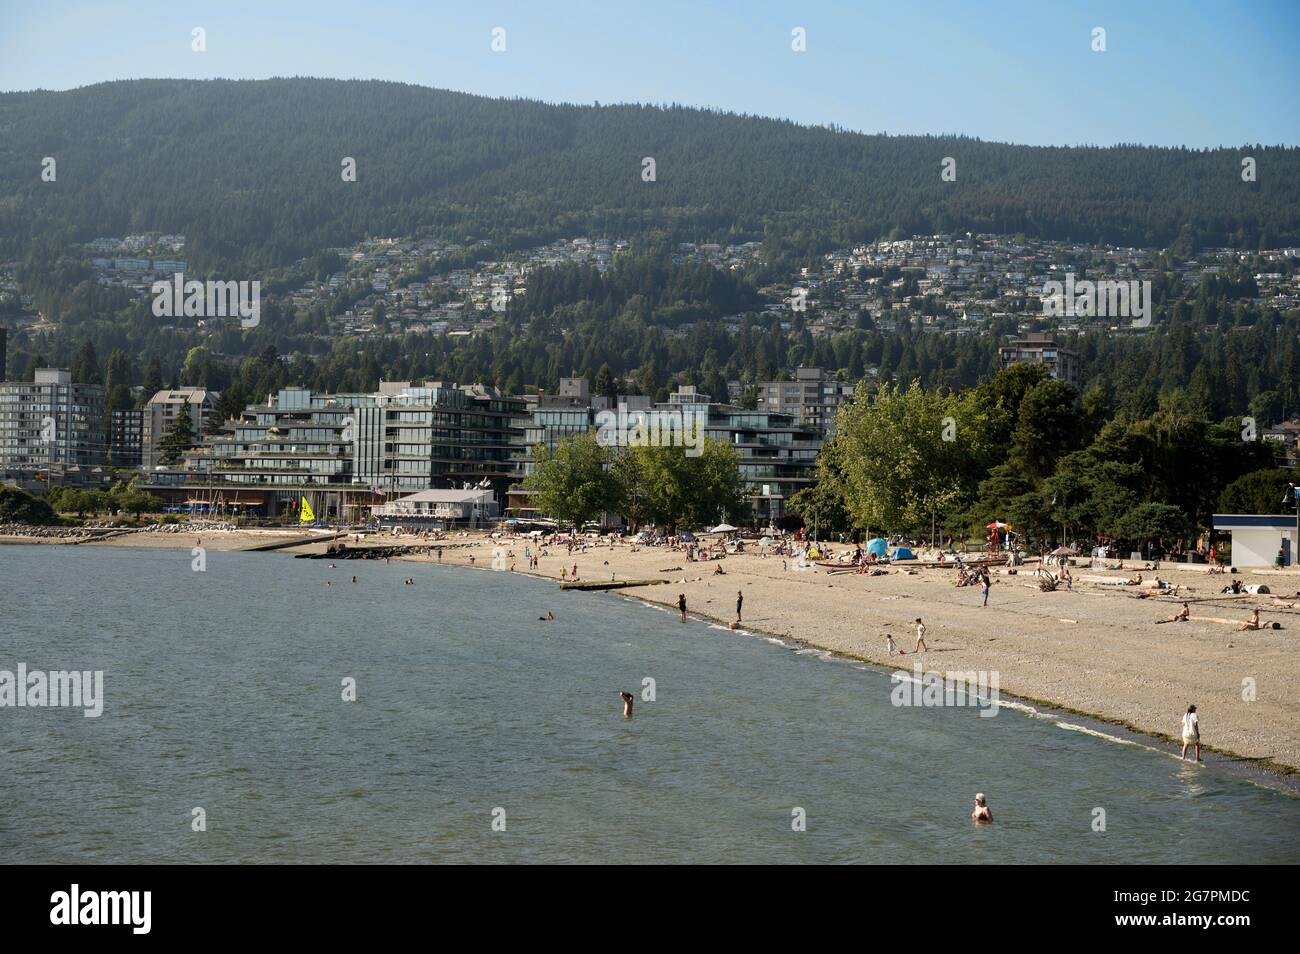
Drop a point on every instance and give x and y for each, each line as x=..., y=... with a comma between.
x=249, y=171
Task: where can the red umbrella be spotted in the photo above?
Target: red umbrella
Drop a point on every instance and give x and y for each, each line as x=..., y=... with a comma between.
x=995, y=525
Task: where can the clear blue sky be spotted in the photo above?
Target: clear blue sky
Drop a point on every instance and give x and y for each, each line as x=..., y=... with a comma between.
x=1175, y=72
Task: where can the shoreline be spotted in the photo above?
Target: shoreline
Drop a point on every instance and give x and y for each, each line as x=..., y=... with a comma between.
x=1093, y=655
x=1260, y=771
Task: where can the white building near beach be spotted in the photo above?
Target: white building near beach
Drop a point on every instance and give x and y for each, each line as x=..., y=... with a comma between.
x=439, y=509
x=1256, y=538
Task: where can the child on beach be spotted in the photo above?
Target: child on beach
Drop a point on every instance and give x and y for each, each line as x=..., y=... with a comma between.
x=1191, y=732
x=889, y=644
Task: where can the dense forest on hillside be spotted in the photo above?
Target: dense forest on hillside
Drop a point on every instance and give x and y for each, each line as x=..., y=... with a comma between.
x=249, y=171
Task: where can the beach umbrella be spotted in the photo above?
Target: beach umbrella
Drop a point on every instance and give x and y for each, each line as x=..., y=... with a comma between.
x=1065, y=551
x=995, y=525
x=723, y=528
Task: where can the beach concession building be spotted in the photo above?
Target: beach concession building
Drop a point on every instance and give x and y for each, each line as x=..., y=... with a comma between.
x=439, y=510
x=1256, y=538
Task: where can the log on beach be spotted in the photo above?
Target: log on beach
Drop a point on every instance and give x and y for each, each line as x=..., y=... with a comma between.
x=607, y=584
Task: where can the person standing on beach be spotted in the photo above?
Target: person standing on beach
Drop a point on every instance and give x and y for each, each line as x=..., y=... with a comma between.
x=681, y=605
x=921, y=647
x=740, y=600
x=984, y=587
x=1191, y=733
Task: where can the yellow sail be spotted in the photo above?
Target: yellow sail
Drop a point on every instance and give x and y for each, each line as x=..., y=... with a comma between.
x=305, y=514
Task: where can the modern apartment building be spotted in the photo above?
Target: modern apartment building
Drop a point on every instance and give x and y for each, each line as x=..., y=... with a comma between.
x=778, y=454
x=422, y=437
x=51, y=422
x=296, y=445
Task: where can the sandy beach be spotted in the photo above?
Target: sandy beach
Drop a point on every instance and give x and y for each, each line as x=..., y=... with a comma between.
x=1096, y=649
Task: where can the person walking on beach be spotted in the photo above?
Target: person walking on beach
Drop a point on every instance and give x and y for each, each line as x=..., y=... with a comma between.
x=681, y=605
x=984, y=588
x=627, y=704
x=740, y=600
x=981, y=812
x=920, y=636
x=1191, y=733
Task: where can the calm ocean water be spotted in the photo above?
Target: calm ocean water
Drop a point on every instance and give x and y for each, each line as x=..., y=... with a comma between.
x=223, y=691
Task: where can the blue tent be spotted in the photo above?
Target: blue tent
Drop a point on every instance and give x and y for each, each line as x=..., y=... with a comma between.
x=903, y=553
x=878, y=547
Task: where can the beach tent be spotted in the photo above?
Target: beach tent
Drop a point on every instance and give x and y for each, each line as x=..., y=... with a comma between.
x=723, y=528
x=903, y=553
x=686, y=537
x=878, y=547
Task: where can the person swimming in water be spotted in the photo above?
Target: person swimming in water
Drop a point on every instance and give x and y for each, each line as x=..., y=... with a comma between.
x=981, y=812
x=627, y=704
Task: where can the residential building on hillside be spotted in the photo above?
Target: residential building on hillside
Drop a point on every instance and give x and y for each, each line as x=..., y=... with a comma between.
x=1061, y=363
